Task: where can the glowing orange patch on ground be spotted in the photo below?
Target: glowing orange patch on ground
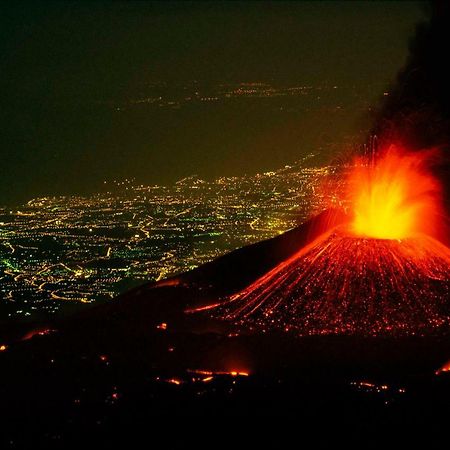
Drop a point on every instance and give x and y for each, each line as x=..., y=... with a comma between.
x=444, y=368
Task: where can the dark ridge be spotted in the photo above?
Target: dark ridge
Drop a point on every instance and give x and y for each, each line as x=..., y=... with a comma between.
x=237, y=269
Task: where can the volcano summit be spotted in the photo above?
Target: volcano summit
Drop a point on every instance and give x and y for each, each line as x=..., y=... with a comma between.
x=381, y=274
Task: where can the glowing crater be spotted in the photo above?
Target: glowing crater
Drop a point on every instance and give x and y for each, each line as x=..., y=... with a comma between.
x=396, y=197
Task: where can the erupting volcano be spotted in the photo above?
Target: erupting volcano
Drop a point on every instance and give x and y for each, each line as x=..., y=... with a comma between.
x=384, y=272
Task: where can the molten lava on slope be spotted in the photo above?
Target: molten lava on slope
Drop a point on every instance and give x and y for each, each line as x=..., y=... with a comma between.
x=347, y=284
x=382, y=274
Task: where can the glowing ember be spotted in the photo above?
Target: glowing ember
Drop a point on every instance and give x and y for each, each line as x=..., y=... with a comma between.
x=38, y=332
x=207, y=379
x=395, y=198
x=444, y=368
x=233, y=373
x=174, y=381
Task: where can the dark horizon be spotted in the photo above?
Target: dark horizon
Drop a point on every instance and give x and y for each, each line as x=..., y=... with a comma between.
x=74, y=73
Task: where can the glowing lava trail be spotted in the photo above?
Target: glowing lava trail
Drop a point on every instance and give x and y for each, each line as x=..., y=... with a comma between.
x=383, y=274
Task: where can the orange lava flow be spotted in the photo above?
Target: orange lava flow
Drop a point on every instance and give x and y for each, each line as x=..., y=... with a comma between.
x=445, y=368
x=395, y=198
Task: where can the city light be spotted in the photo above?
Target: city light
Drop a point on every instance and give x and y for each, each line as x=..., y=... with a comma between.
x=57, y=251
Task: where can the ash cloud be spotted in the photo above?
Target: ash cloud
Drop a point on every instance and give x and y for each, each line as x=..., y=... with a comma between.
x=417, y=109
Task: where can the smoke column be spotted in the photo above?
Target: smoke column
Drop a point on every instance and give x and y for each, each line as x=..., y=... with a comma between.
x=417, y=110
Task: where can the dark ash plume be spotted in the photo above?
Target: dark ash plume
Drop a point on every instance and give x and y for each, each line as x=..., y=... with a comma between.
x=417, y=110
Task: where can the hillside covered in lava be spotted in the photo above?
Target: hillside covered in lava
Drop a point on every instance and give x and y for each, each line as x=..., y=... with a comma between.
x=341, y=285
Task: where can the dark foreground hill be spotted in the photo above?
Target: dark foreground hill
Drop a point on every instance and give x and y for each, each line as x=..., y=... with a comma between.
x=140, y=366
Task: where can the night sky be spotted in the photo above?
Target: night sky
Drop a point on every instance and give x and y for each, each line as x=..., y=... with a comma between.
x=69, y=71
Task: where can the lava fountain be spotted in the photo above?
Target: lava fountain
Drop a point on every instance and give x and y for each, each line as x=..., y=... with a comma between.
x=395, y=198
x=383, y=273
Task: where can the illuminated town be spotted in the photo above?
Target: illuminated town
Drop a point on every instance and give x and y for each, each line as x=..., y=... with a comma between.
x=56, y=250
x=291, y=97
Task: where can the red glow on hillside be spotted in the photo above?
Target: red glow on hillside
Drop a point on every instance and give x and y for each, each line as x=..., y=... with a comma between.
x=382, y=273
x=444, y=369
x=344, y=284
x=37, y=332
